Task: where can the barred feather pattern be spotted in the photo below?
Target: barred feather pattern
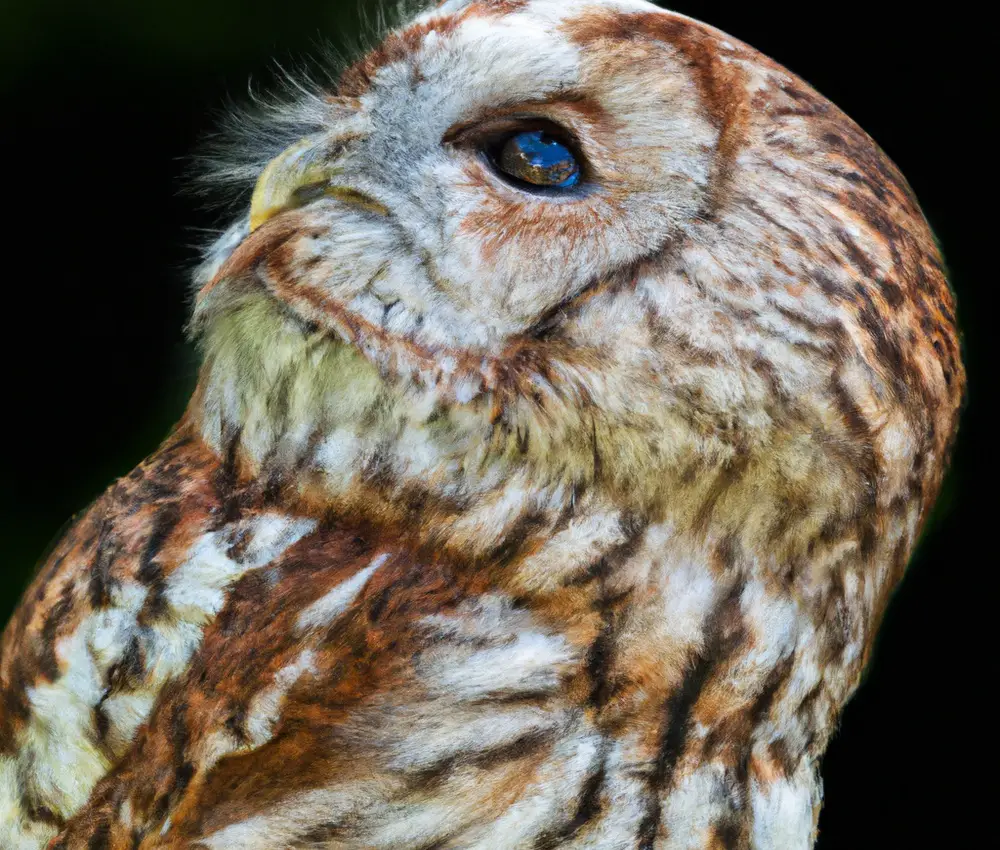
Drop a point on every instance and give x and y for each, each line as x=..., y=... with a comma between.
x=499, y=520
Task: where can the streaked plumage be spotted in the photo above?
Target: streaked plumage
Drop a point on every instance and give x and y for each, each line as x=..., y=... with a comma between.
x=504, y=519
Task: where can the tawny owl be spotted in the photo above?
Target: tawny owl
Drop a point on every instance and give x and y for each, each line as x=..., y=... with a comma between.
x=573, y=392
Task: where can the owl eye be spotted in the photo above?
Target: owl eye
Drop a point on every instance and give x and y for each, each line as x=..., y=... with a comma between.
x=535, y=158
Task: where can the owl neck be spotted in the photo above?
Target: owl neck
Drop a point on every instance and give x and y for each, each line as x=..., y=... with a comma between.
x=310, y=416
x=313, y=418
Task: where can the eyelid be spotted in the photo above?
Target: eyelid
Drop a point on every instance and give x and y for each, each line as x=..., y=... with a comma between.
x=570, y=111
x=485, y=137
x=482, y=133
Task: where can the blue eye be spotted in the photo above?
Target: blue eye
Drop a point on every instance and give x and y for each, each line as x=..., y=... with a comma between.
x=536, y=158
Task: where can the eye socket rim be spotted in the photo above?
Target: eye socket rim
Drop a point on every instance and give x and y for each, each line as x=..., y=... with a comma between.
x=488, y=141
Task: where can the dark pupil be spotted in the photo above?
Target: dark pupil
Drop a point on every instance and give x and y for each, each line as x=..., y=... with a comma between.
x=537, y=158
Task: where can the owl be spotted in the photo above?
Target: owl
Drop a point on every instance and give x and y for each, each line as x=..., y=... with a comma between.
x=574, y=387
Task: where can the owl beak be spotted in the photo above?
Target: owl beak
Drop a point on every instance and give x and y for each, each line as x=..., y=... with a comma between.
x=297, y=176
x=284, y=181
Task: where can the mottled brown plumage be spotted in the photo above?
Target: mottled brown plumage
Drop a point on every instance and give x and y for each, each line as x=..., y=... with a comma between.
x=503, y=518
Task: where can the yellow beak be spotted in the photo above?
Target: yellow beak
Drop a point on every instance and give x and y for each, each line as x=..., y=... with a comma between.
x=295, y=177
x=281, y=185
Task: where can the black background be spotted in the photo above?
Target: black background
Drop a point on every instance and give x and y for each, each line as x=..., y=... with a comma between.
x=102, y=104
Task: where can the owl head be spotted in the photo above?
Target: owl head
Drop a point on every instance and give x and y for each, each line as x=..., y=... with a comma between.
x=529, y=253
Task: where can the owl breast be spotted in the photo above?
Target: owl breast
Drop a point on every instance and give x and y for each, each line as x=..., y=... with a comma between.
x=257, y=673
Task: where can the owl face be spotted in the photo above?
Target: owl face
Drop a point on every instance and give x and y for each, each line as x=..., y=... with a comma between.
x=585, y=246
x=409, y=218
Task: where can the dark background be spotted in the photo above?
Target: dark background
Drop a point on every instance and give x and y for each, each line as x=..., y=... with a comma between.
x=102, y=104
